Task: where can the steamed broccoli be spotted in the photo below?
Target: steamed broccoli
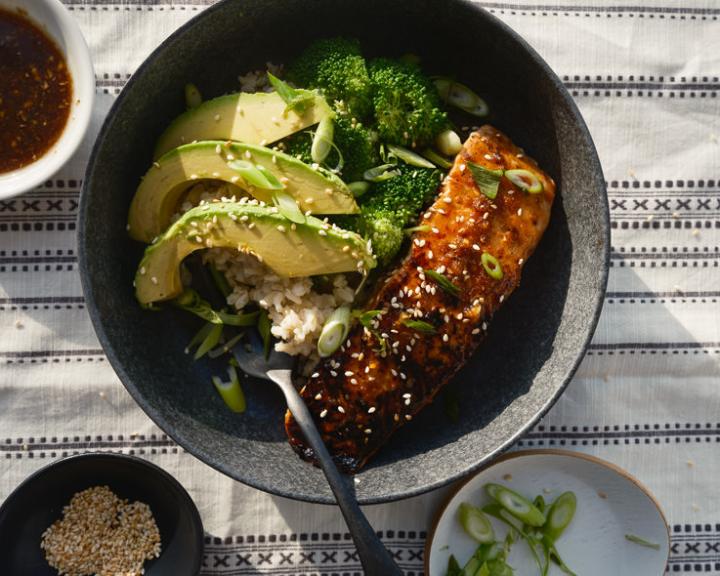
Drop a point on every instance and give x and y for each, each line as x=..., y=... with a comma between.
x=336, y=66
x=393, y=205
x=407, y=106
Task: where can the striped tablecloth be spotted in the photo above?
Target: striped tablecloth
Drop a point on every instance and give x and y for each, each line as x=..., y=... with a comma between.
x=647, y=396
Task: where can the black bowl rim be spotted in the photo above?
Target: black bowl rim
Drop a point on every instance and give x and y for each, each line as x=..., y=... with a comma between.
x=187, y=501
x=198, y=451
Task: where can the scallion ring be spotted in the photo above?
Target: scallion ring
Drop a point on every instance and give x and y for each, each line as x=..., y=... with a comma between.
x=559, y=516
x=524, y=179
x=322, y=140
x=380, y=173
x=334, y=332
x=256, y=175
x=461, y=96
x=409, y=157
x=436, y=159
x=492, y=266
x=358, y=188
x=476, y=524
x=517, y=505
x=288, y=207
x=231, y=392
x=210, y=341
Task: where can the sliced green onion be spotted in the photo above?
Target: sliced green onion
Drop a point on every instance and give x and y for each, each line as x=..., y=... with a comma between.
x=358, y=188
x=225, y=348
x=220, y=280
x=539, y=503
x=448, y=142
x=263, y=326
x=380, y=173
x=199, y=336
x=492, y=266
x=453, y=568
x=497, y=511
x=365, y=318
x=256, y=175
x=475, y=523
x=517, y=505
x=193, y=98
x=247, y=319
x=293, y=98
x=322, y=140
x=525, y=180
x=420, y=326
x=409, y=157
x=559, y=516
x=210, y=341
x=442, y=281
x=641, y=541
x=192, y=302
x=334, y=332
x=487, y=180
x=231, y=392
x=461, y=96
x=288, y=207
x=419, y=228
x=436, y=159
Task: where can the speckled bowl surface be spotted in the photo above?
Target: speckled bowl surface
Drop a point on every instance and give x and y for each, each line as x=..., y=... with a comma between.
x=536, y=341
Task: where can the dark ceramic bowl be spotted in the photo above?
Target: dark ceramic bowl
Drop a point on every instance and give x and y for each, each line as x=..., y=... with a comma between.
x=536, y=341
x=39, y=500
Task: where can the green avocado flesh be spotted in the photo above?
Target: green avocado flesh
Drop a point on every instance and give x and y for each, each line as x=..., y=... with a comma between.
x=161, y=190
x=257, y=118
x=311, y=248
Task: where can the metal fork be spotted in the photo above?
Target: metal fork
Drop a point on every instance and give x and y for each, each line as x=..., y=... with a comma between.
x=374, y=557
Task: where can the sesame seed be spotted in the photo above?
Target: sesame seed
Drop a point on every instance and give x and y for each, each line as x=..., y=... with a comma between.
x=371, y=409
x=323, y=413
x=435, y=230
x=341, y=410
x=318, y=396
x=519, y=212
x=281, y=228
x=142, y=271
x=322, y=233
x=521, y=261
x=430, y=254
x=154, y=280
x=475, y=247
x=368, y=431
x=476, y=331
x=407, y=395
x=488, y=157
x=447, y=200
x=445, y=338
x=408, y=417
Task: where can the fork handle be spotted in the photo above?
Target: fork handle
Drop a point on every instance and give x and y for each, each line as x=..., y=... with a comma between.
x=374, y=557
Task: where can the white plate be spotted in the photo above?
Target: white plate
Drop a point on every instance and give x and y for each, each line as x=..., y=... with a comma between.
x=611, y=504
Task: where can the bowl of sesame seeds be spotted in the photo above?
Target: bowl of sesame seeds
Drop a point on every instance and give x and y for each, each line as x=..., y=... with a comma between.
x=100, y=513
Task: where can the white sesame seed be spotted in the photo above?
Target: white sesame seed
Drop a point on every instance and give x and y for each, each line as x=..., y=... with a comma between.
x=371, y=409
x=154, y=280
x=323, y=413
x=318, y=396
x=445, y=338
x=341, y=410
x=475, y=247
x=476, y=331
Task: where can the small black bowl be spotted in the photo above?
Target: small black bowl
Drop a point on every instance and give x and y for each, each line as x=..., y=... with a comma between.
x=34, y=505
x=535, y=343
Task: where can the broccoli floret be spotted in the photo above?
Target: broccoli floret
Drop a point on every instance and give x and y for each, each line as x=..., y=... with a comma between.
x=358, y=145
x=407, y=106
x=336, y=66
x=393, y=205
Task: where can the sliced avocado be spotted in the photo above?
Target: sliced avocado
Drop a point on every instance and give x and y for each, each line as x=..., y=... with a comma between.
x=162, y=187
x=254, y=118
x=290, y=250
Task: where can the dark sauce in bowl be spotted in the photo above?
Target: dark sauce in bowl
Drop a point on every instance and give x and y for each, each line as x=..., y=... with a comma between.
x=35, y=92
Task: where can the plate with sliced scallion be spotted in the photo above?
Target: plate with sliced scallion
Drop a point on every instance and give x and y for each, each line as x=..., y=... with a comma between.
x=549, y=512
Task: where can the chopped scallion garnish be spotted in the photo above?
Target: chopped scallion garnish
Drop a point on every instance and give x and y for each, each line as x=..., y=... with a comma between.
x=334, y=331
x=358, y=188
x=288, y=207
x=256, y=175
x=322, y=140
x=192, y=302
x=365, y=318
x=442, y=281
x=461, y=96
x=475, y=523
x=492, y=266
x=525, y=180
x=219, y=279
x=380, y=173
x=436, y=159
x=419, y=228
x=210, y=341
x=420, y=326
x=641, y=541
x=409, y=157
x=293, y=98
x=226, y=347
x=487, y=180
x=231, y=391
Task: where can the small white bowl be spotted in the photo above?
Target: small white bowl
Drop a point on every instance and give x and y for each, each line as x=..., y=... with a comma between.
x=55, y=20
x=611, y=504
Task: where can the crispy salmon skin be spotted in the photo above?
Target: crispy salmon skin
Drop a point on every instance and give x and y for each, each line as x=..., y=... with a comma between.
x=428, y=328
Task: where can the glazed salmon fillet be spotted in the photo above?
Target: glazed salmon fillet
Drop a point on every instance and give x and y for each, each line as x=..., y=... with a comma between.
x=395, y=364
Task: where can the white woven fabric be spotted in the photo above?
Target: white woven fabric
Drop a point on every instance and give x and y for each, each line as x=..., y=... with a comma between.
x=647, y=396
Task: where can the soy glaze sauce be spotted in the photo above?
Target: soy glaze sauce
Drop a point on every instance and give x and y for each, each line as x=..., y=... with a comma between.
x=35, y=91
